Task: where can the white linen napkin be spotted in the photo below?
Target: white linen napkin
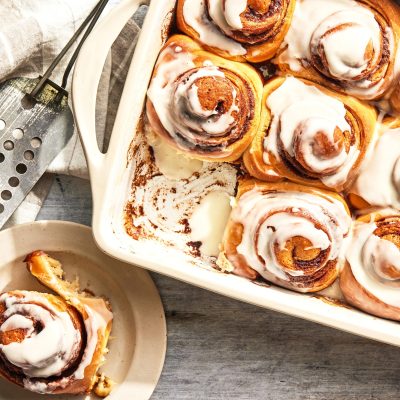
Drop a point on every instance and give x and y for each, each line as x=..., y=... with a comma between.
x=32, y=33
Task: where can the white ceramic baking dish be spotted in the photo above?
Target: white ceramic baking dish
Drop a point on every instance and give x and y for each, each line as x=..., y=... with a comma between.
x=111, y=176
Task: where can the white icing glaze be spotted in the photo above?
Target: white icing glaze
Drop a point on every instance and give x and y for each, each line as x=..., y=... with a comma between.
x=299, y=112
x=208, y=221
x=345, y=48
x=172, y=164
x=267, y=223
x=379, y=180
x=17, y=321
x=233, y=9
x=45, y=353
x=195, y=15
x=161, y=89
x=368, y=255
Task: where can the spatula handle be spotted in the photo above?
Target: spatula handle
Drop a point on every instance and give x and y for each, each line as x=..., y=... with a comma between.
x=90, y=20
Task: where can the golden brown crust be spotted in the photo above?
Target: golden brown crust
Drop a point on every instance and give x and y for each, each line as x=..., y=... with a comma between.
x=297, y=254
x=215, y=95
x=265, y=24
x=360, y=116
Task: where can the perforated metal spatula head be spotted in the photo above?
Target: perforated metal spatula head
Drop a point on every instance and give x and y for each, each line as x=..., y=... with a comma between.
x=32, y=133
x=35, y=125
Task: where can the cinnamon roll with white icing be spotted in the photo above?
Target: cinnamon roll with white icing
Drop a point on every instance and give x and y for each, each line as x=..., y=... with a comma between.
x=287, y=234
x=204, y=106
x=310, y=135
x=370, y=279
x=53, y=344
x=350, y=46
x=239, y=30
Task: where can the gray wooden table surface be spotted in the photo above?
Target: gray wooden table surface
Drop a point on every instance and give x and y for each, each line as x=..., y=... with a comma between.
x=223, y=349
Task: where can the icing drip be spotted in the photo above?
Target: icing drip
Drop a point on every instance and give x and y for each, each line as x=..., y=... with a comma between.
x=171, y=163
x=273, y=222
x=304, y=122
x=375, y=263
x=208, y=222
x=379, y=180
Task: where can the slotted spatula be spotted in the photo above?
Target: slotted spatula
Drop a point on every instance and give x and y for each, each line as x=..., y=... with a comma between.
x=35, y=124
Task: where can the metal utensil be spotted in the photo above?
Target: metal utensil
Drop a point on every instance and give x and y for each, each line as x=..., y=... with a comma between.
x=35, y=124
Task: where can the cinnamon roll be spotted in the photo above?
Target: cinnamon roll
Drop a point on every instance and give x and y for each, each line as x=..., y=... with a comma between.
x=370, y=279
x=204, y=106
x=378, y=183
x=285, y=233
x=239, y=30
x=309, y=135
x=53, y=344
x=350, y=46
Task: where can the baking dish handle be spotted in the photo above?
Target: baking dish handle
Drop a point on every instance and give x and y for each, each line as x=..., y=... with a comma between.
x=86, y=78
x=87, y=73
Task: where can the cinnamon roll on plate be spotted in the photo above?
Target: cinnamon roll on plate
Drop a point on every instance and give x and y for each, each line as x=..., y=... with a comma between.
x=204, y=106
x=286, y=233
x=370, y=279
x=350, y=46
x=54, y=344
x=240, y=30
x=55, y=327
x=310, y=135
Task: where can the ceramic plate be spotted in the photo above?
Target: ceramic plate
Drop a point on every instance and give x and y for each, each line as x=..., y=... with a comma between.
x=138, y=339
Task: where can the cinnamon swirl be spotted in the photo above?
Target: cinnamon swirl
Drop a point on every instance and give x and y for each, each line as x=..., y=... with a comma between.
x=239, y=30
x=204, y=106
x=370, y=279
x=350, y=46
x=286, y=233
x=52, y=344
x=310, y=135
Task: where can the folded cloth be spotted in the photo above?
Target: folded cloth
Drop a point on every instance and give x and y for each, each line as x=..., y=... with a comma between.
x=32, y=33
